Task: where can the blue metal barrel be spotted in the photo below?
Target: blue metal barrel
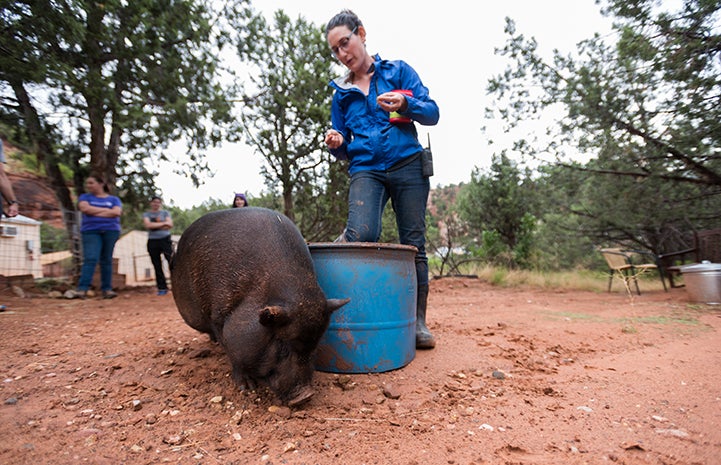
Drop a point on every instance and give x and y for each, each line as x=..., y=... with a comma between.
x=375, y=331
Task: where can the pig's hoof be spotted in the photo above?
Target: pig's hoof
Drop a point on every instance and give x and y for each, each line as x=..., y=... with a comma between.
x=303, y=397
x=244, y=382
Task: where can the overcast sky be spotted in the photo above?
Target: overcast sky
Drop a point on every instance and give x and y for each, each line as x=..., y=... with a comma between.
x=450, y=44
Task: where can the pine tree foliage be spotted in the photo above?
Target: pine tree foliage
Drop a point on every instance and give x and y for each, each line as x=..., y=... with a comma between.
x=106, y=86
x=285, y=115
x=643, y=105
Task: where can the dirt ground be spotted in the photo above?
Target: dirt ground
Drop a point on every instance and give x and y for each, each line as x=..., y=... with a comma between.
x=518, y=377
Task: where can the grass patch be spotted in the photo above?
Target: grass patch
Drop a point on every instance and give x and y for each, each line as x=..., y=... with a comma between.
x=629, y=325
x=497, y=276
x=578, y=317
x=582, y=280
x=579, y=280
x=664, y=320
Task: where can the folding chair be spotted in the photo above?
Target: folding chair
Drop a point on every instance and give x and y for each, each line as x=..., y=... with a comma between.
x=624, y=264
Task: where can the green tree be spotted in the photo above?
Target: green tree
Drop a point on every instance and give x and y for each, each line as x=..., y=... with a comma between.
x=644, y=109
x=501, y=202
x=182, y=218
x=285, y=113
x=448, y=240
x=562, y=240
x=115, y=82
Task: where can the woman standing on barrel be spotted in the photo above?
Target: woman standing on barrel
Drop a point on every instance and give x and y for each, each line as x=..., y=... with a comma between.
x=373, y=112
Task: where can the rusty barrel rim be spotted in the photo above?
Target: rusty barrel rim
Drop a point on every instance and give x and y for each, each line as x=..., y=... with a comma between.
x=362, y=245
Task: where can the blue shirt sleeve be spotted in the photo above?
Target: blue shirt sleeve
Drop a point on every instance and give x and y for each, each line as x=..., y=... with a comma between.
x=421, y=107
x=338, y=121
x=370, y=140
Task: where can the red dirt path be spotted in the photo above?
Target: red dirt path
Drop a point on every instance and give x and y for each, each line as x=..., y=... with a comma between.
x=587, y=378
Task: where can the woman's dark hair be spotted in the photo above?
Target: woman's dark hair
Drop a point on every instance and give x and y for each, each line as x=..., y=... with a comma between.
x=344, y=18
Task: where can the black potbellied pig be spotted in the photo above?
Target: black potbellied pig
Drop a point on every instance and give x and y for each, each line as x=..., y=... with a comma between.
x=245, y=276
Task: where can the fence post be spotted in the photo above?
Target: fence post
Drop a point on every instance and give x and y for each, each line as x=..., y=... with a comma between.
x=72, y=221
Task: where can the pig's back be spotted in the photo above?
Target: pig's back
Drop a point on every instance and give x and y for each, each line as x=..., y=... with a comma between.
x=230, y=255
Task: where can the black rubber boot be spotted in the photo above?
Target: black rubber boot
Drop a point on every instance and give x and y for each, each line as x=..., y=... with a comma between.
x=424, y=338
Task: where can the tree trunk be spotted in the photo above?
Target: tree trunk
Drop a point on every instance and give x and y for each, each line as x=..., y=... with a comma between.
x=43, y=147
x=288, y=203
x=40, y=140
x=93, y=92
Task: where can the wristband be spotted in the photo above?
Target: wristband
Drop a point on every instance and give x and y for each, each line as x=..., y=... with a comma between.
x=13, y=202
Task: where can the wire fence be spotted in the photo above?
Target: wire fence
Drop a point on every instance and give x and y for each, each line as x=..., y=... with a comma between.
x=22, y=260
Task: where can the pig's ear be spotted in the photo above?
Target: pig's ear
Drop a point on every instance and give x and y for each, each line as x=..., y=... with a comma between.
x=334, y=304
x=274, y=316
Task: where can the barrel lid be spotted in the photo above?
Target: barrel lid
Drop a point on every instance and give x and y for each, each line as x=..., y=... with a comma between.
x=705, y=265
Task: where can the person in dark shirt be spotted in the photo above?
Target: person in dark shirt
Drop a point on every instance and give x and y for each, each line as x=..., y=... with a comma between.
x=160, y=244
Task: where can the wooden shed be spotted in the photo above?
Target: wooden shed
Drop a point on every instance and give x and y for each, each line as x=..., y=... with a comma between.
x=20, y=247
x=131, y=253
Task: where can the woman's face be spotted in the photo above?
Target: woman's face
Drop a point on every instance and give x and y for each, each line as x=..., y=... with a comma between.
x=348, y=46
x=239, y=202
x=93, y=186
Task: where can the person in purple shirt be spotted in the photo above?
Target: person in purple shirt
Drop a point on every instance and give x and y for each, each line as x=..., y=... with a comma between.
x=100, y=229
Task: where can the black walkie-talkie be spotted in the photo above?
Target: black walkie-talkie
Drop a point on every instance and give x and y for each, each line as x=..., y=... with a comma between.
x=427, y=159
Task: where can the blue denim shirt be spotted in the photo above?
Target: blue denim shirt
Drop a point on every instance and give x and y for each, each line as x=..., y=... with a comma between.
x=370, y=140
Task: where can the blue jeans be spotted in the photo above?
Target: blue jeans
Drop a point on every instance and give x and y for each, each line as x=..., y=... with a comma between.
x=407, y=189
x=98, y=247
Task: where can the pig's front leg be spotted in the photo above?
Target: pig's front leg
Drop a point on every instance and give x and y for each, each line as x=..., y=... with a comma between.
x=243, y=380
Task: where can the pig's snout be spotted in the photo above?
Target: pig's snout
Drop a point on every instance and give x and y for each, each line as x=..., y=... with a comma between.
x=301, y=396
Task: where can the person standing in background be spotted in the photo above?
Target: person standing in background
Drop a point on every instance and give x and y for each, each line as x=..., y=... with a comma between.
x=239, y=201
x=374, y=110
x=6, y=188
x=160, y=244
x=100, y=229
